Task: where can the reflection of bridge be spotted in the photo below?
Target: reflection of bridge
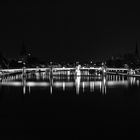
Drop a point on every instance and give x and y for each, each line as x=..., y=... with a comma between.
x=73, y=70
x=78, y=82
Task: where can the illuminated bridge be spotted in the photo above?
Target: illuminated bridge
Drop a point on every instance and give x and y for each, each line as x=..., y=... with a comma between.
x=73, y=70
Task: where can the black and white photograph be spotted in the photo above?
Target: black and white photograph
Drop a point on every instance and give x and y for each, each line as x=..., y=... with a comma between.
x=69, y=70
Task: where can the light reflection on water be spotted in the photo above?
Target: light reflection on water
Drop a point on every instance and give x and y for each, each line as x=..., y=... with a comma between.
x=79, y=83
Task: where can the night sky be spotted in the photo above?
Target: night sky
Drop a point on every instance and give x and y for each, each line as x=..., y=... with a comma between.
x=68, y=32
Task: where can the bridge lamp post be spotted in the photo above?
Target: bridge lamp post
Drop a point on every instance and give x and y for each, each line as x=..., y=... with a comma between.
x=91, y=63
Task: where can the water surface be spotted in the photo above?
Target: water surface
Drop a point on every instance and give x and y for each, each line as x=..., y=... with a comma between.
x=76, y=105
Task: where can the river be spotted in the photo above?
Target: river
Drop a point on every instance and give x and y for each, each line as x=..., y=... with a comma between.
x=72, y=106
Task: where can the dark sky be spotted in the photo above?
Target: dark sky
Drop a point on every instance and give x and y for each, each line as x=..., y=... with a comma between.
x=68, y=32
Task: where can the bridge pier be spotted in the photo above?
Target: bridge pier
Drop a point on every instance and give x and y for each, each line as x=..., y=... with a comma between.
x=68, y=73
x=24, y=72
x=131, y=72
x=51, y=72
x=103, y=70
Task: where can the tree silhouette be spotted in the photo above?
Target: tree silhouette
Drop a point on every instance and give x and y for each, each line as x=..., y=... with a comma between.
x=3, y=61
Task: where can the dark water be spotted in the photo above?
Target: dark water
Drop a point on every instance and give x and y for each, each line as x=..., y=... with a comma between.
x=69, y=107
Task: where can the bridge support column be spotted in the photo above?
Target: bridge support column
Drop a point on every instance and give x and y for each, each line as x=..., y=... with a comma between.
x=24, y=72
x=77, y=71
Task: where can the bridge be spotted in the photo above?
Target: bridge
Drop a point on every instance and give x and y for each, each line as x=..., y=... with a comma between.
x=72, y=70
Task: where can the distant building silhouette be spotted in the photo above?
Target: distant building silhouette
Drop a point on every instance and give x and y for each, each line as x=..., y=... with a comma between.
x=24, y=54
x=23, y=51
x=26, y=58
x=131, y=60
x=136, y=50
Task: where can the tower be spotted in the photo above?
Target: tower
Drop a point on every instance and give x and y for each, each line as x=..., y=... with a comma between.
x=23, y=54
x=23, y=51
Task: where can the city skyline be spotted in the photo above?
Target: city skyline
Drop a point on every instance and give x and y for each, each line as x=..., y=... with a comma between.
x=26, y=58
x=25, y=50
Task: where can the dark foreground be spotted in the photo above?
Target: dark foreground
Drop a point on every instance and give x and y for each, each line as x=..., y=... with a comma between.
x=65, y=115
